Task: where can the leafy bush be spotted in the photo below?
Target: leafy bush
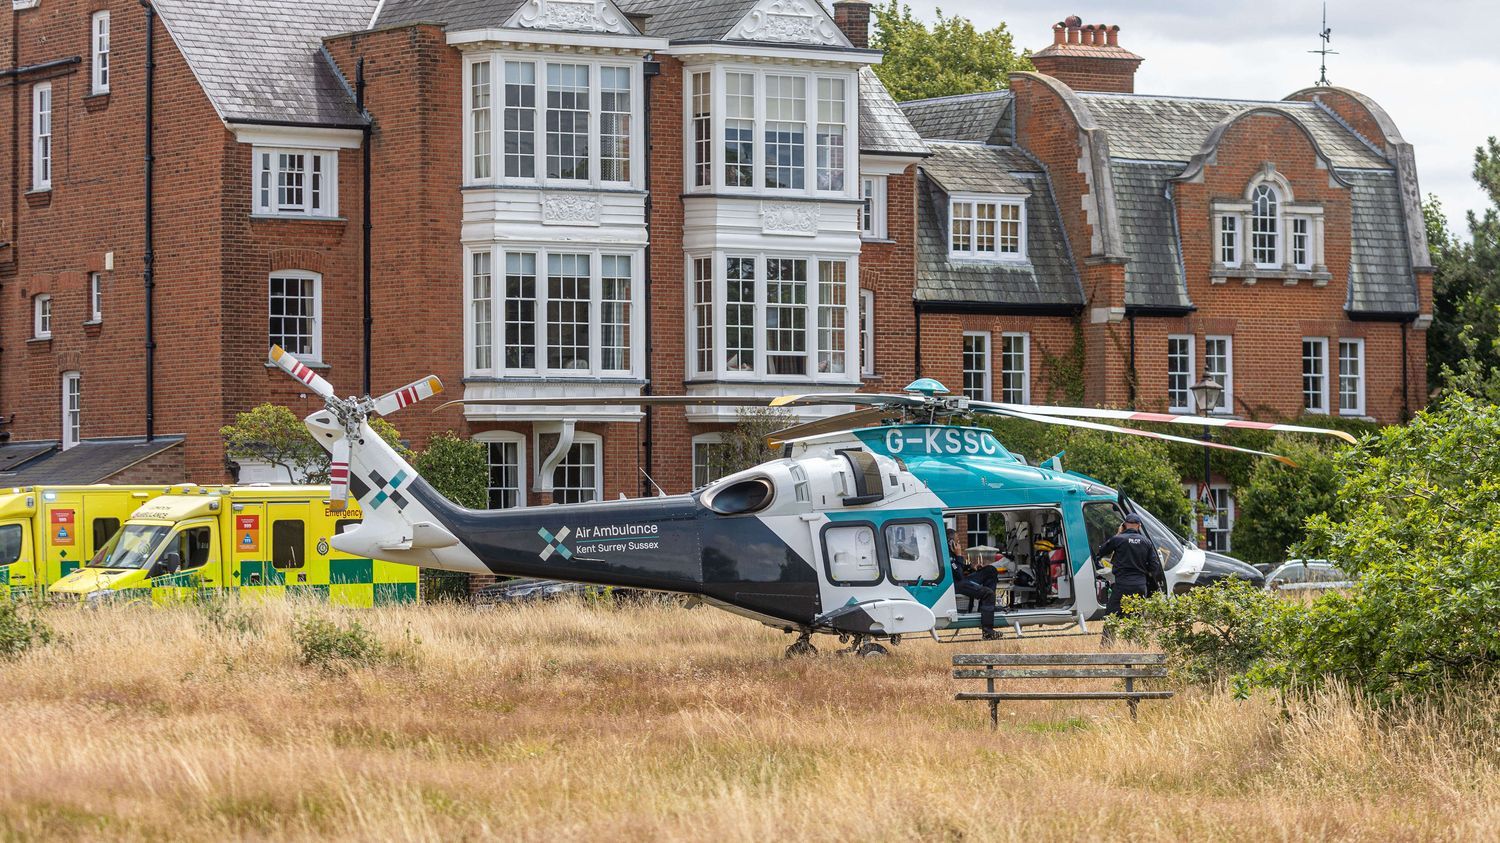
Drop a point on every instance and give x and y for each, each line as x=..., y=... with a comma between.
x=458, y=468
x=1418, y=523
x=335, y=648
x=1210, y=635
x=1141, y=468
x=21, y=629
x=1275, y=501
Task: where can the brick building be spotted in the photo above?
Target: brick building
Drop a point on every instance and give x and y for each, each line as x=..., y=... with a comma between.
x=611, y=197
x=1070, y=226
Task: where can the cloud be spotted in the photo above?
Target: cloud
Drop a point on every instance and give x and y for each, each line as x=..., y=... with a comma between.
x=1433, y=67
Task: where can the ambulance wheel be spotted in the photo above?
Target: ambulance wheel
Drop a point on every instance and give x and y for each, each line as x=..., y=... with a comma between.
x=801, y=647
x=870, y=648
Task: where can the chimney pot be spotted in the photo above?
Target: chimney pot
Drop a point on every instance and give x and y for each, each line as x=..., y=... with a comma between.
x=1059, y=34
x=1073, y=21
x=1114, y=35
x=1072, y=35
x=1086, y=38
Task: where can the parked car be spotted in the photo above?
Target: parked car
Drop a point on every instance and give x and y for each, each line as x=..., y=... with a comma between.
x=1308, y=575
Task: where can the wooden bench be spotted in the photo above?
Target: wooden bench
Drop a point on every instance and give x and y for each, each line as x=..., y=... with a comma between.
x=993, y=666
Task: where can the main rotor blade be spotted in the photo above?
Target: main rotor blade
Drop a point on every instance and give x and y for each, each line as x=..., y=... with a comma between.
x=836, y=424
x=338, y=475
x=1159, y=418
x=1130, y=431
x=408, y=395
x=292, y=366
x=863, y=399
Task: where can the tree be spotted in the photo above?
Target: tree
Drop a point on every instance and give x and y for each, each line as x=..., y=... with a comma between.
x=457, y=468
x=1275, y=501
x=1466, y=277
x=273, y=434
x=744, y=445
x=950, y=58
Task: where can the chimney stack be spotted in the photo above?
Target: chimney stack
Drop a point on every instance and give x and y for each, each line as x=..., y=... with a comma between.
x=853, y=17
x=1088, y=57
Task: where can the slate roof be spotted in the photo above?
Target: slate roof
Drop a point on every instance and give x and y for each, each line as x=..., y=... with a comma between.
x=979, y=168
x=1154, y=273
x=689, y=20
x=1380, y=267
x=1047, y=278
x=262, y=60
x=90, y=461
x=1155, y=128
x=982, y=118
x=883, y=127
x=456, y=14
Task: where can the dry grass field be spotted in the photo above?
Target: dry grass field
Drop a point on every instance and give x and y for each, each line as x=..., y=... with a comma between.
x=574, y=722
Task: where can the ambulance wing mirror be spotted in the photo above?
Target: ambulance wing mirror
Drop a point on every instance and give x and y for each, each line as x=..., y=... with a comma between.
x=171, y=562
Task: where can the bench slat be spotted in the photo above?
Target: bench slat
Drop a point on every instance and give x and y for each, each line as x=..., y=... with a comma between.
x=1121, y=659
x=1063, y=673
x=1067, y=695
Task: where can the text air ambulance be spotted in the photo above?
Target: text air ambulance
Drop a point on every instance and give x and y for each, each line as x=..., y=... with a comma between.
x=267, y=541
x=47, y=531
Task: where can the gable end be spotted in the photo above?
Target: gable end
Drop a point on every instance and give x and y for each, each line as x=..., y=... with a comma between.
x=789, y=22
x=572, y=16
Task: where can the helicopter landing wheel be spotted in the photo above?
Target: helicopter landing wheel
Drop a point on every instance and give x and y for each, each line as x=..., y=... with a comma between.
x=803, y=646
x=870, y=649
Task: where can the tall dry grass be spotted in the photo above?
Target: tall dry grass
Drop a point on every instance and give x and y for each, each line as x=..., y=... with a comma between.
x=569, y=721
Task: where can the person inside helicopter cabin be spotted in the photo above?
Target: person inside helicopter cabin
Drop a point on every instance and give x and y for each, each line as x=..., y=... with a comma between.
x=956, y=557
x=981, y=584
x=1135, y=566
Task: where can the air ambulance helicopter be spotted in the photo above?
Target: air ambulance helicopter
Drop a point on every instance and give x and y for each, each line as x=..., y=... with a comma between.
x=843, y=535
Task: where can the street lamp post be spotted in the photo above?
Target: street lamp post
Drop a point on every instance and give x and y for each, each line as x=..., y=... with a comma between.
x=1206, y=395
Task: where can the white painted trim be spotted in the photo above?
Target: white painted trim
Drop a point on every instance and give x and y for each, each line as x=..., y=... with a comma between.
x=301, y=137
x=1025, y=337
x=878, y=226
x=96, y=296
x=38, y=303
x=998, y=200
x=1357, y=342
x=317, y=314
x=71, y=437
x=1192, y=370
x=549, y=38
x=886, y=165
x=760, y=24
x=375, y=15
x=711, y=438
x=1323, y=343
x=38, y=180
x=1226, y=401
x=867, y=350
x=741, y=51
x=96, y=85
x=520, y=441
x=330, y=198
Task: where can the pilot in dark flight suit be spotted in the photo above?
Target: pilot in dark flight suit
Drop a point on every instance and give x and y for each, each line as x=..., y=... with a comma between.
x=1136, y=566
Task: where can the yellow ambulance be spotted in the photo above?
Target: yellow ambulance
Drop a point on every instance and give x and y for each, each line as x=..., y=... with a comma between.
x=256, y=541
x=47, y=531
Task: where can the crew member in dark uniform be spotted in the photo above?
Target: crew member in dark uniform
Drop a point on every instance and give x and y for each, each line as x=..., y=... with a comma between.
x=1136, y=566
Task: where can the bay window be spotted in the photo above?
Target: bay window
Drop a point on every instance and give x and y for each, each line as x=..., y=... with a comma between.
x=556, y=311
x=986, y=228
x=771, y=316
x=579, y=128
x=777, y=130
x=296, y=182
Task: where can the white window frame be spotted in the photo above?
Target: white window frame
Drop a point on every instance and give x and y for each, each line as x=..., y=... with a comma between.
x=1226, y=378
x=99, y=49
x=760, y=369
x=1305, y=236
x=316, y=357
x=1225, y=523
x=41, y=136
x=1190, y=342
x=96, y=297
x=41, y=316
x=986, y=374
x=497, y=60
x=867, y=332
x=266, y=178
x=1025, y=371
x=497, y=437
x=581, y=438
x=872, y=213
x=72, y=409
x=705, y=439
x=498, y=272
x=1277, y=232
x=1358, y=343
x=758, y=73
x=1322, y=391
x=973, y=252
x=1230, y=241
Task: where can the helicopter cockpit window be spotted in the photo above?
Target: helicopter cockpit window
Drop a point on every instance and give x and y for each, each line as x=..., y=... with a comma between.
x=1101, y=520
x=1169, y=545
x=750, y=495
x=851, y=555
x=912, y=549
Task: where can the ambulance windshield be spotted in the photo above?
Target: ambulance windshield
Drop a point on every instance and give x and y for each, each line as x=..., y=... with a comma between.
x=131, y=548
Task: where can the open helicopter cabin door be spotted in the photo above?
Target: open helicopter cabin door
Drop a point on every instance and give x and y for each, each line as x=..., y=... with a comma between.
x=1028, y=546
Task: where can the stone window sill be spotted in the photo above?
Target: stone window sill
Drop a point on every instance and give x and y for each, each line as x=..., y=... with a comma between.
x=40, y=342
x=311, y=364
x=1319, y=277
x=296, y=218
x=96, y=102
x=39, y=198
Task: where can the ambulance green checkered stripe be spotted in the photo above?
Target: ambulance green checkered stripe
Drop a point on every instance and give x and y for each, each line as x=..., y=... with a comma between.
x=316, y=592
x=347, y=571
x=260, y=574
x=5, y=575
x=395, y=592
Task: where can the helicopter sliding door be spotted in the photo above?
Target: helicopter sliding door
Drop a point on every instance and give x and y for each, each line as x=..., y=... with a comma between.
x=1028, y=546
x=878, y=556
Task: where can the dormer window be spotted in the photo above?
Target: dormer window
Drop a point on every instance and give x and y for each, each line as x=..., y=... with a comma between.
x=986, y=228
x=1267, y=233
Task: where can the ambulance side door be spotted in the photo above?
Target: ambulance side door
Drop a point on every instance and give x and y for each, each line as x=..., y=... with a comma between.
x=17, y=562
x=196, y=545
x=249, y=552
x=62, y=549
x=292, y=562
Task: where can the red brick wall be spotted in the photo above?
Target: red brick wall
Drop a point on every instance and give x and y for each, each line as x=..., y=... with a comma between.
x=1090, y=74
x=888, y=269
x=165, y=467
x=942, y=349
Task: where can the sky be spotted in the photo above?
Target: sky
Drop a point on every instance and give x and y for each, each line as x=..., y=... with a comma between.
x=1434, y=65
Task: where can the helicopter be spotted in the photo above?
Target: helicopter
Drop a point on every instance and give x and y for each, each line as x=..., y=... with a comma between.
x=844, y=534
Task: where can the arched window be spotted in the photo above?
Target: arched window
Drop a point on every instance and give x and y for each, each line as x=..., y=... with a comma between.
x=1265, y=228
